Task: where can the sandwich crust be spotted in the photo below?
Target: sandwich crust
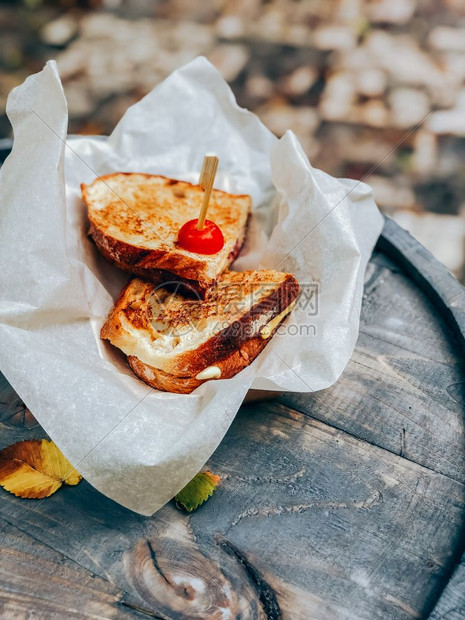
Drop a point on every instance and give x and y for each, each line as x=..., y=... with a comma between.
x=135, y=218
x=229, y=366
x=136, y=261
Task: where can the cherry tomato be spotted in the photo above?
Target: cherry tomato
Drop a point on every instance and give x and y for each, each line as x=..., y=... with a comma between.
x=209, y=240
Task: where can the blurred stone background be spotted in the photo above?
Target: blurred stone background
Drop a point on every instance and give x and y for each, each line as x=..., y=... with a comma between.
x=374, y=89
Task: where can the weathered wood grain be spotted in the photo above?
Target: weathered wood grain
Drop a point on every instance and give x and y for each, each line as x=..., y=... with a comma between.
x=429, y=275
x=449, y=298
x=309, y=522
x=38, y=582
x=404, y=388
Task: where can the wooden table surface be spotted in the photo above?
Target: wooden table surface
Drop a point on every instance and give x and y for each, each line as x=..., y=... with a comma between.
x=348, y=503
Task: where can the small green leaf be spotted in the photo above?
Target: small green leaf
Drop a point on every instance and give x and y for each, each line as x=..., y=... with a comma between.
x=197, y=491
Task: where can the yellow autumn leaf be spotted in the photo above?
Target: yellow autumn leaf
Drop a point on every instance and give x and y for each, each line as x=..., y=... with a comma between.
x=35, y=468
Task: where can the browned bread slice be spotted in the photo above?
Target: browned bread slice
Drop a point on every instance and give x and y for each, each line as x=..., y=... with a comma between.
x=135, y=219
x=172, y=338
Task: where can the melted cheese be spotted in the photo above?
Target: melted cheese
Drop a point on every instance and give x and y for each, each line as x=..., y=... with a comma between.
x=212, y=372
x=266, y=331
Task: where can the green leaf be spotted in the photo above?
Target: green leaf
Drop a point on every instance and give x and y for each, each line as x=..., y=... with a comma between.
x=197, y=491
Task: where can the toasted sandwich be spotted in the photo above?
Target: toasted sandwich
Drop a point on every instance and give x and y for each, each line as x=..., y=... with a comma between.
x=135, y=219
x=175, y=343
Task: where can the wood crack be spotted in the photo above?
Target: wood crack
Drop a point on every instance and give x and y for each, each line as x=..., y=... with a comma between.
x=153, y=557
x=265, y=592
x=402, y=443
x=272, y=511
x=266, y=479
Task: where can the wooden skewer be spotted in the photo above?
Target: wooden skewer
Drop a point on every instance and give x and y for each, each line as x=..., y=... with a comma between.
x=203, y=172
x=207, y=178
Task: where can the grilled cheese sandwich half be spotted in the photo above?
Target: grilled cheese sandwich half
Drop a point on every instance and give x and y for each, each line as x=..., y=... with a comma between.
x=175, y=343
x=135, y=219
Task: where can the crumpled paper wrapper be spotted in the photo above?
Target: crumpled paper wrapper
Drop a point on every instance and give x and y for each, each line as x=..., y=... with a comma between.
x=136, y=445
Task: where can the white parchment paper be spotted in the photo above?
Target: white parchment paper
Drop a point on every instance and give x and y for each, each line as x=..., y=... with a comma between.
x=136, y=445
